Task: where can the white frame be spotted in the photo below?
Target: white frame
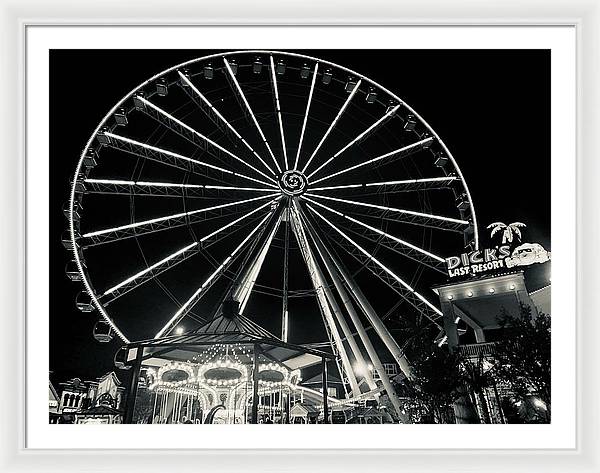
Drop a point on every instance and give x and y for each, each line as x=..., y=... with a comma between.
x=584, y=15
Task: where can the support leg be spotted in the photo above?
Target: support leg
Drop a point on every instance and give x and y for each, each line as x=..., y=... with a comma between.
x=324, y=385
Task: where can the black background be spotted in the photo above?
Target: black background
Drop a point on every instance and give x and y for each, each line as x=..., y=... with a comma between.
x=491, y=109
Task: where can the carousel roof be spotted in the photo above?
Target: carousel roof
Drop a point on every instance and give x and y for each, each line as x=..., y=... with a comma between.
x=226, y=330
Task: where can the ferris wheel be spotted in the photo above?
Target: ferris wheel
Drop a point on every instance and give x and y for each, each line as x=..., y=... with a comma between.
x=193, y=177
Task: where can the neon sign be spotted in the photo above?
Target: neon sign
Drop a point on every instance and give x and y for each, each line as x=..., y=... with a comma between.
x=500, y=257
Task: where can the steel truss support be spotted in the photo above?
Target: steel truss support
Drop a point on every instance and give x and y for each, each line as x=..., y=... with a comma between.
x=243, y=287
x=363, y=136
x=438, y=222
x=187, y=132
x=310, y=95
x=278, y=110
x=215, y=116
x=387, y=158
x=330, y=265
x=339, y=317
x=393, y=243
x=172, y=159
x=284, y=302
x=156, y=269
x=372, y=316
x=165, y=189
x=392, y=280
x=207, y=284
x=204, y=104
x=238, y=88
x=407, y=185
x=166, y=222
x=332, y=126
x=321, y=289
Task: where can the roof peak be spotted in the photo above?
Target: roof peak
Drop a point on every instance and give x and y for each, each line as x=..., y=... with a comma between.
x=233, y=323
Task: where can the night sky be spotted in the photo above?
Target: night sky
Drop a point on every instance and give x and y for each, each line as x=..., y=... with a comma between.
x=491, y=109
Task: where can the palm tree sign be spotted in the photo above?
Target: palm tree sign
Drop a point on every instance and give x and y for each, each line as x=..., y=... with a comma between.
x=508, y=230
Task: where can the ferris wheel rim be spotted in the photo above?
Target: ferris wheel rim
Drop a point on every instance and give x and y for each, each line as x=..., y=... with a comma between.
x=102, y=123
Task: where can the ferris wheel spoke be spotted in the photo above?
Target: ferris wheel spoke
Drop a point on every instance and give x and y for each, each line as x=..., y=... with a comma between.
x=149, y=273
x=396, y=154
x=243, y=290
x=190, y=134
x=210, y=110
x=170, y=158
x=403, y=215
x=384, y=273
x=162, y=223
x=162, y=189
x=278, y=108
x=207, y=284
x=364, y=135
x=207, y=238
x=333, y=123
x=166, y=264
x=393, y=243
x=415, y=299
x=239, y=90
x=407, y=185
x=310, y=95
x=285, y=296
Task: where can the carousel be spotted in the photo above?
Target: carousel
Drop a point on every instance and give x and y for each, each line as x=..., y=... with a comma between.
x=230, y=371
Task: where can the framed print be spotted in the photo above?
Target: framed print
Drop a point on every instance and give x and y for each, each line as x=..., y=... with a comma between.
x=355, y=233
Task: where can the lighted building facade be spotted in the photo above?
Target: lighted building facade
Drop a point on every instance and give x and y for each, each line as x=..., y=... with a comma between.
x=79, y=402
x=472, y=312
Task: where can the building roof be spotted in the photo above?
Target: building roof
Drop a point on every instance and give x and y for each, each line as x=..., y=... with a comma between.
x=101, y=410
x=116, y=379
x=227, y=330
x=318, y=379
x=221, y=329
x=74, y=384
x=303, y=409
x=52, y=394
x=542, y=299
x=53, y=398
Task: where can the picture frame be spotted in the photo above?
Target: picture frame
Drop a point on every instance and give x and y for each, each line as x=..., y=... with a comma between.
x=583, y=16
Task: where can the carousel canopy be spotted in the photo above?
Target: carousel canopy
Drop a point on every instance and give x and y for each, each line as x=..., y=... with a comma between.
x=226, y=330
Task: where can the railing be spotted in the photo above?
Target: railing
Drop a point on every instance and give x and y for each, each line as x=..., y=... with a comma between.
x=478, y=349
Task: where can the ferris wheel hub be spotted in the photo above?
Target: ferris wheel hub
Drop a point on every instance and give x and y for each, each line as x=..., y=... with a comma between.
x=293, y=183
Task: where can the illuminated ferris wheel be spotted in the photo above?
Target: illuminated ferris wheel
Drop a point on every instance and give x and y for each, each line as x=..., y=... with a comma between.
x=193, y=177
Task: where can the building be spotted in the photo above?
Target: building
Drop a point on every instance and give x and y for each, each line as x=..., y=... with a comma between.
x=471, y=314
x=53, y=402
x=100, y=401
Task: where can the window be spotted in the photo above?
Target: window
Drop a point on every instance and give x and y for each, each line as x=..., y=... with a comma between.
x=391, y=370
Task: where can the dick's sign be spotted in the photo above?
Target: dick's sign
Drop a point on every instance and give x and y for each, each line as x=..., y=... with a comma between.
x=490, y=259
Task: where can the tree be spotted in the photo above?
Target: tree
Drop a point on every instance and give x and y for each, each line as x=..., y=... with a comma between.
x=522, y=359
x=439, y=388
x=507, y=230
x=436, y=383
